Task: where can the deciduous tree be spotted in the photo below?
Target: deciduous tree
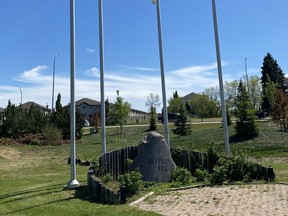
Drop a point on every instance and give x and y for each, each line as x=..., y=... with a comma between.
x=122, y=110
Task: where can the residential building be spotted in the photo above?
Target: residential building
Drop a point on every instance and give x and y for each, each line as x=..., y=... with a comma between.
x=189, y=97
x=27, y=106
x=88, y=107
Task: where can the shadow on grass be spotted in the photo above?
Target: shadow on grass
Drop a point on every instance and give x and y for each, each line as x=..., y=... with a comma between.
x=26, y=194
x=82, y=193
x=39, y=205
x=237, y=138
x=29, y=191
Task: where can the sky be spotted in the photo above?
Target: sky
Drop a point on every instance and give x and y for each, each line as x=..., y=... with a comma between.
x=33, y=32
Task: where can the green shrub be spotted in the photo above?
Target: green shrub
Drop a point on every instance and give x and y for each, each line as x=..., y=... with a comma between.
x=51, y=136
x=107, y=178
x=218, y=176
x=181, y=175
x=201, y=174
x=132, y=181
x=213, y=158
x=34, y=142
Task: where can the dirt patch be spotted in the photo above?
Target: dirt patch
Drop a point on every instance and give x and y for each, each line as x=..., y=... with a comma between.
x=262, y=199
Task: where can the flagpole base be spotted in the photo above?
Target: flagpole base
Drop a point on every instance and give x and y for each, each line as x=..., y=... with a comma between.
x=73, y=184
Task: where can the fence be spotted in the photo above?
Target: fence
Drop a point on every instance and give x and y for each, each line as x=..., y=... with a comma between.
x=115, y=163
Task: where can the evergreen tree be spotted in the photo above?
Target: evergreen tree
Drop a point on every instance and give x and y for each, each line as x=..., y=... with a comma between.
x=245, y=124
x=175, y=94
x=271, y=70
x=36, y=120
x=61, y=119
x=107, y=108
x=14, y=123
x=182, y=126
x=269, y=96
x=152, y=126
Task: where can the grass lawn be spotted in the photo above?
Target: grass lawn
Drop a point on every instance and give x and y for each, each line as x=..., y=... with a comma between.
x=32, y=177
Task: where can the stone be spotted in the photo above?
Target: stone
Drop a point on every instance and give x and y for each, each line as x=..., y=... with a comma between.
x=154, y=159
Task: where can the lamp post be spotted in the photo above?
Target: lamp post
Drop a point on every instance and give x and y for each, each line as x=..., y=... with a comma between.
x=165, y=114
x=73, y=183
x=54, y=62
x=20, y=93
x=247, y=79
x=101, y=45
x=223, y=107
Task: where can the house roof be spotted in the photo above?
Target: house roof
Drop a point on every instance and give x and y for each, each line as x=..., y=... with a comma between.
x=189, y=97
x=87, y=101
x=28, y=105
x=138, y=111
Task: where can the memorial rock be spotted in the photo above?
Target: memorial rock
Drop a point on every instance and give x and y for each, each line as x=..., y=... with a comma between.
x=154, y=159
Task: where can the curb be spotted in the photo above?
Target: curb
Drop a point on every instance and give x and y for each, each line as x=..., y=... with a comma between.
x=141, y=199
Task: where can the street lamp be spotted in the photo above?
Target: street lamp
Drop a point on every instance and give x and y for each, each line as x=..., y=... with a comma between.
x=53, y=81
x=248, y=87
x=20, y=92
x=166, y=128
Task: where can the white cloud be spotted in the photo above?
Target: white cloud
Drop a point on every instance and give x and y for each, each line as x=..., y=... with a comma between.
x=33, y=75
x=138, y=68
x=93, y=72
x=134, y=87
x=89, y=50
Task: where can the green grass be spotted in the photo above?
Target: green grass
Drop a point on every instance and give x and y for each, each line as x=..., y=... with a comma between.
x=32, y=177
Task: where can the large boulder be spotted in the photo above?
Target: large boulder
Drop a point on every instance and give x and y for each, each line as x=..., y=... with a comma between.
x=154, y=159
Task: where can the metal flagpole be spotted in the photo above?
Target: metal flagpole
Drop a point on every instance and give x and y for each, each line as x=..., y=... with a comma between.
x=101, y=45
x=165, y=114
x=73, y=183
x=223, y=107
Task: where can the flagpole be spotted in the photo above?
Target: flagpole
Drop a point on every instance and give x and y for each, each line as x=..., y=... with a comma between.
x=223, y=107
x=73, y=183
x=101, y=45
x=165, y=114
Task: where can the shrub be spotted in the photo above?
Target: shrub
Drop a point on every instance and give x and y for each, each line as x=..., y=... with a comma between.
x=213, y=158
x=201, y=174
x=218, y=176
x=181, y=175
x=132, y=181
x=107, y=178
x=51, y=136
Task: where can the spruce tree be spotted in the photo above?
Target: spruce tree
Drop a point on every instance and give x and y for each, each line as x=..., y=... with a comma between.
x=182, y=126
x=152, y=113
x=271, y=70
x=245, y=125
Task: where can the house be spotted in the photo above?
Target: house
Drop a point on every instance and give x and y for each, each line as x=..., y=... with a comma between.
x=137, y=116
x=135, y=112
x=27, y=106
x=189, y=97
x=88, y=107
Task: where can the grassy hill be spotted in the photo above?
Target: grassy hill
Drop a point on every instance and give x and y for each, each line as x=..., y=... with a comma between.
x=32, y=177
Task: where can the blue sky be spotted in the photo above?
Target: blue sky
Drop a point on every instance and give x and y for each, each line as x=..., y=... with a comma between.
x=33, y=32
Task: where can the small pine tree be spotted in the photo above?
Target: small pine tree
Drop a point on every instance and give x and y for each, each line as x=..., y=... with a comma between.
x=182, y=126
x=228, y=116
x=245, y=125
x=152, y=126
